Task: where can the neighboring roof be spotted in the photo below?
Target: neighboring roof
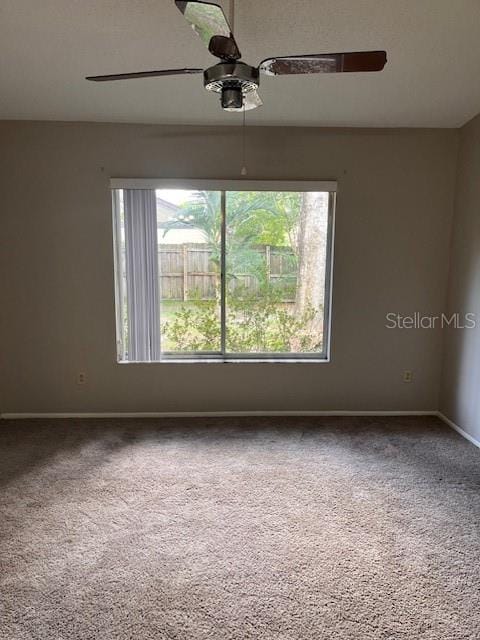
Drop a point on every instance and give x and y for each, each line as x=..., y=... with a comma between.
x=166, y=210
x=178, y=224
x=164, y=204
x=179, y=236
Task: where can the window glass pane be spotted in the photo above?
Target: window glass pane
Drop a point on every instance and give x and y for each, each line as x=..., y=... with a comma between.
x=189, y=239
x=276, y=257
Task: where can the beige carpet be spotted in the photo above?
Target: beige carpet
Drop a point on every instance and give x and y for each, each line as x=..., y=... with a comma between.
x=292, y=529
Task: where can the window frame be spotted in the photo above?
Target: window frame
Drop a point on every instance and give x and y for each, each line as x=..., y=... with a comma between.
x=223, y=186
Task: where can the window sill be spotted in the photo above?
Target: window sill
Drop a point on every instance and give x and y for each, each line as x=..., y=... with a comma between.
x=230, y=361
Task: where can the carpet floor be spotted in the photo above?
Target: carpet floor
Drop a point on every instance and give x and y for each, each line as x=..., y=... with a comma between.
x=271, y=529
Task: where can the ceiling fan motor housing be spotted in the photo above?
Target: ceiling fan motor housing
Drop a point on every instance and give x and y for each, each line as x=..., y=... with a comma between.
x=233, y=80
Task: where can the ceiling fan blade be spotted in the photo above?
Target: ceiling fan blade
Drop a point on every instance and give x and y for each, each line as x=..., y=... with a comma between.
x=209, y=21
x=252, y=100
x=143, y=74
x=325, y=63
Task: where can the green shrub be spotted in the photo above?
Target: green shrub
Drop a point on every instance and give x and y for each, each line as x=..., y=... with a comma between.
x=257, y=322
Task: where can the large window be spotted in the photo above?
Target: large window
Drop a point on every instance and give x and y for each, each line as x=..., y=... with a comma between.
x=222, y=270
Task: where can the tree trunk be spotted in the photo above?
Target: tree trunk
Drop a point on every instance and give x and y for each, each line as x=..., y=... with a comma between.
x=311, y=251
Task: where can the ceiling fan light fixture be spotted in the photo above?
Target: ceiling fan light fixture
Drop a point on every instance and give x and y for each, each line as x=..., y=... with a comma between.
x=232, y=98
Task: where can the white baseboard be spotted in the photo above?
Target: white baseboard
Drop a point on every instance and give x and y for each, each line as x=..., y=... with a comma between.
x=208, y=414
x=461, y=431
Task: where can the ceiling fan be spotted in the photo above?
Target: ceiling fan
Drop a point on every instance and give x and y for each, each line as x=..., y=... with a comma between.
x=237, y=82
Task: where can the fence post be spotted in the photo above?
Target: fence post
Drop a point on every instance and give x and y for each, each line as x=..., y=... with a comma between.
x=185, y=272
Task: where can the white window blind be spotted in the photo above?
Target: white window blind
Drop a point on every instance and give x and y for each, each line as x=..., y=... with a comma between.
x=141, y=271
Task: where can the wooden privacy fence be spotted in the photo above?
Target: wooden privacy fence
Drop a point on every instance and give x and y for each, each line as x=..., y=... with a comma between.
x=187, y=271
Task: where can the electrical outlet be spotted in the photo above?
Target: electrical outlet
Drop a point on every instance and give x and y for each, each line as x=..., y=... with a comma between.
x=407, y=376
x=81, y=377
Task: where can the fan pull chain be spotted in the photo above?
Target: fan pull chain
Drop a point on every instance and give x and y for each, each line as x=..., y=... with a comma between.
x=244, y=135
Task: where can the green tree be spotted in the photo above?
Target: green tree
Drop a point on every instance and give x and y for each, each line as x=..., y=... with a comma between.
x=252, y=219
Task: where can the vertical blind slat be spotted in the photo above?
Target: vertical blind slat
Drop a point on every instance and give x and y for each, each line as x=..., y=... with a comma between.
x=141, y=252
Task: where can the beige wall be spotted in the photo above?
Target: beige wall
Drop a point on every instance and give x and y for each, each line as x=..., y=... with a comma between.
x=460, y=396
x=57, y=318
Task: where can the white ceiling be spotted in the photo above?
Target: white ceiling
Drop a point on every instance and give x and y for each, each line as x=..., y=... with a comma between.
x=431, y=79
